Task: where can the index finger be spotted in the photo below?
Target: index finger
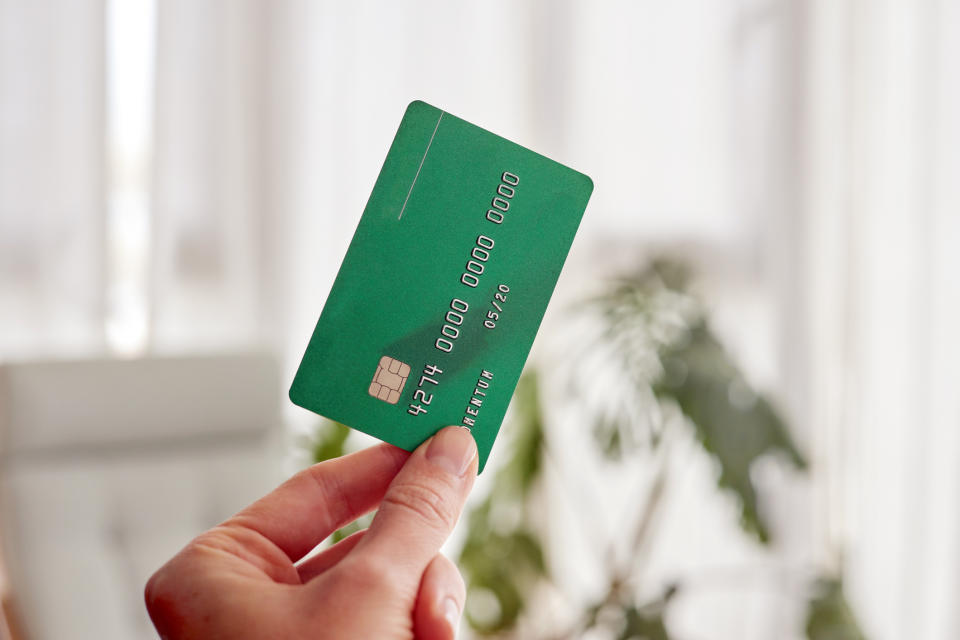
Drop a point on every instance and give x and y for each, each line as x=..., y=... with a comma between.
x=317, y=501
x=422, y=504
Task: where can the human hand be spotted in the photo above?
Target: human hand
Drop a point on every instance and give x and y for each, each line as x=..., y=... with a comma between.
x=240, y=579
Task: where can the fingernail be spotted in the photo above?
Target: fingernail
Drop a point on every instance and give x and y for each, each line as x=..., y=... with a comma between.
x=451, y=613
x=453, y=449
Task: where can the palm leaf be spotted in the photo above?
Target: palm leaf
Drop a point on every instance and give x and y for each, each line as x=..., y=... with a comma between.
x=734, y=423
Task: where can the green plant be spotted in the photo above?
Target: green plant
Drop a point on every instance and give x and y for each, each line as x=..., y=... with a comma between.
x=647, y=363
x=829, y=616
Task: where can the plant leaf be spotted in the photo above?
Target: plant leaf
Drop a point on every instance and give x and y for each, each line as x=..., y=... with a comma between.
x=523, y=467
x=829, y=616
x=644, y=625
x=330, y=441
x=506, y=559
x=733, y=422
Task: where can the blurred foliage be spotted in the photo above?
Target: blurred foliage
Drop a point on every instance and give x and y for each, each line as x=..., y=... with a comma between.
x=829, y=616
x=502, y=554
x=330, y=441
x=646, y=356
x=643, y=622
x=734, y=424
x=685, y=364
x=646, y=347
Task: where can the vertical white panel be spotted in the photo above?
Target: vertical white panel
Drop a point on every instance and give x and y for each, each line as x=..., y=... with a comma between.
x=207, y=207
x=131, y=28
x=650, y=103
x=51, y=176
x=890, y=220
x=294, y=227
x=942, y=348
x=825, y=276
x=882, y=226
x=286, y=170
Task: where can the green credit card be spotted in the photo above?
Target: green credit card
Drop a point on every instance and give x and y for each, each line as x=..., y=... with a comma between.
x=444, y=285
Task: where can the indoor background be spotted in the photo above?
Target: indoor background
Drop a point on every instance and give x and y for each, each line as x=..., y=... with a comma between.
x=179, y=181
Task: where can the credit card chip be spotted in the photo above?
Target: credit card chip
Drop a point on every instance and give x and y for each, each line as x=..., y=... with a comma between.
x=388, y=379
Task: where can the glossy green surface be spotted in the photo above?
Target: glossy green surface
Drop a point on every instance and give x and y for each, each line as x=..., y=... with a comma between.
x=404, y=266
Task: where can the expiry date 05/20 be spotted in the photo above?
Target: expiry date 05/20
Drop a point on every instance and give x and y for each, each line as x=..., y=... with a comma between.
x=499, y=299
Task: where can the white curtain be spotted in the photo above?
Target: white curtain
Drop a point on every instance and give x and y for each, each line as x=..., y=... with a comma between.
x=808, y=149
x=882, y=304
x=209, y=214
x=52, y=152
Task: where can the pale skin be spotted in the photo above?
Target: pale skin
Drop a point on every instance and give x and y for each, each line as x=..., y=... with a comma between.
x=246, y=578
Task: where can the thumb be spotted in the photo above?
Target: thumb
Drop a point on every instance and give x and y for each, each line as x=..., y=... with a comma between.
x=422, y=504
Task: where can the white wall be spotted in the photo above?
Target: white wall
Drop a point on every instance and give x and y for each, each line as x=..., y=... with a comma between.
x=804, y=153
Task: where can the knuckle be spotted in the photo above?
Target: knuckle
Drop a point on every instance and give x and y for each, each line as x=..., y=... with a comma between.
x=424, y=502
x=151, y=592
x=368, y=575
x=456, y=581
x=170, y=591
x=161, y=596
x=330, y=488
x=444, y=572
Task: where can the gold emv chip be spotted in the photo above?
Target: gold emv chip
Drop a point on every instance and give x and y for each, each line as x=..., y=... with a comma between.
x=388, y=380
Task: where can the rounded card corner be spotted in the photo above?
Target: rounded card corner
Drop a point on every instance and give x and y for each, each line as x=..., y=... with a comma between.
x=589, y=182
x=417, y=105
